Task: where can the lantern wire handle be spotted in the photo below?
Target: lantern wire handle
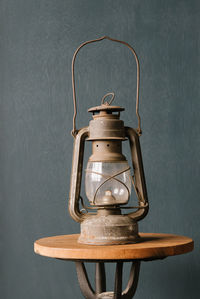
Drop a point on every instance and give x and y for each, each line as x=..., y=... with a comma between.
x=74, y=130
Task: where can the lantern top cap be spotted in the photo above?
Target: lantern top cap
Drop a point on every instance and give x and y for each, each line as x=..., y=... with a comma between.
x=105, y=106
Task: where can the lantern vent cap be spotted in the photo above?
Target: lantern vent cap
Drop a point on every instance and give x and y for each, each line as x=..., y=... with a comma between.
x=106, y=106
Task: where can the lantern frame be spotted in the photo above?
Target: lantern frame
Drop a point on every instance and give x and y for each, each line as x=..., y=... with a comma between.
x=107, y=127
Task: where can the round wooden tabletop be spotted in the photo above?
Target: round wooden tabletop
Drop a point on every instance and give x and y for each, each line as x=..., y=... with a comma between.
x=151, y=246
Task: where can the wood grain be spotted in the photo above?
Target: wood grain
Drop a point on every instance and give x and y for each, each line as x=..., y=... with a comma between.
x=151, y=246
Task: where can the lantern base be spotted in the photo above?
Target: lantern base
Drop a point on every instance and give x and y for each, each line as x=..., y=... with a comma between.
x=109, y=230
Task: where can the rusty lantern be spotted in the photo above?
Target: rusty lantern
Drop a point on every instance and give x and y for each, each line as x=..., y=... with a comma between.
x=108, y=177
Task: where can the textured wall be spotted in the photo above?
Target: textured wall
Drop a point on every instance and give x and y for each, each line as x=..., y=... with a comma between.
x=38, y=38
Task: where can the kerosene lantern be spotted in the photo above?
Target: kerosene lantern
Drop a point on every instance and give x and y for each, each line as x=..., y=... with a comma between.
x=108, y=178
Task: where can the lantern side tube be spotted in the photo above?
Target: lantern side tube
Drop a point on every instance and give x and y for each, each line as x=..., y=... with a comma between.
x=140, y=185
x=76, y=175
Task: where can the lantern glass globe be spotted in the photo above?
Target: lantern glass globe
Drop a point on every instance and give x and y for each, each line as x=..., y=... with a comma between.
x=104, y=189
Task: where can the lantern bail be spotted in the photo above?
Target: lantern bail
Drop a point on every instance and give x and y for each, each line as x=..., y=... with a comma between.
x=75, y=130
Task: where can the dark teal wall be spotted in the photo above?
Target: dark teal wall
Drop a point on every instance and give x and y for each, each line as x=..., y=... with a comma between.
x=37, y=41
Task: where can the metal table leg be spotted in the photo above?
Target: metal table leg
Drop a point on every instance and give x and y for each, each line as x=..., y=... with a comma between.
x=100, y=281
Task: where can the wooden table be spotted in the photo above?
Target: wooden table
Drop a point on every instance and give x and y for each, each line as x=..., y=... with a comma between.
x=150, y=247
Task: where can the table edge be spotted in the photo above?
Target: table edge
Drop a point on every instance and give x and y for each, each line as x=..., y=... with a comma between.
x=161, y=252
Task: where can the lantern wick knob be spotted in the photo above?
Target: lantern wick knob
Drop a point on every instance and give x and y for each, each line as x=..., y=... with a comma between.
x=107, y=103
